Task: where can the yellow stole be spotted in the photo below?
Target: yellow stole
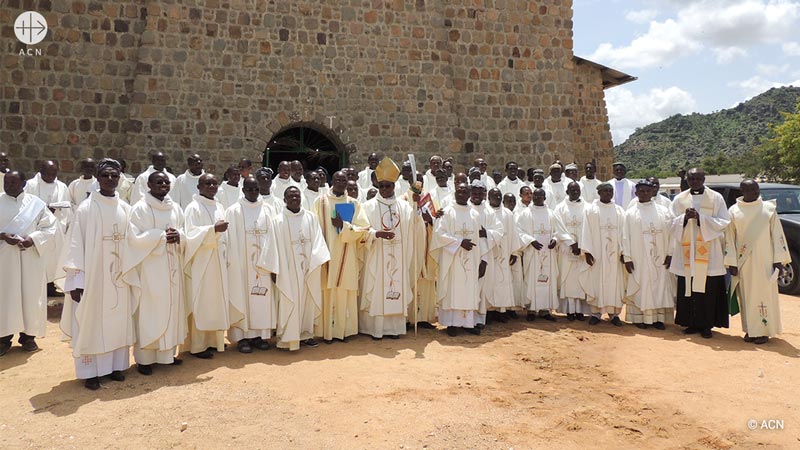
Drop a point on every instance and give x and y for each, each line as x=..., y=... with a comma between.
x=695, y=250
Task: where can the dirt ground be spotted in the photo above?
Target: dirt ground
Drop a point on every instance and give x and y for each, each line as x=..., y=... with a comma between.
x=520, y=385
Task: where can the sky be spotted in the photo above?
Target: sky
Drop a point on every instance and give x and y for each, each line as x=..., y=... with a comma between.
x=688, y=55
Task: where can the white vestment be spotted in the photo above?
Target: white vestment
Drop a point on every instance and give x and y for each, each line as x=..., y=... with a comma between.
x=80, y=189
x=710, y=233
x=539, y=223
x=23, y=304
x=279, y=185
x=512, y=187
x=364, y=178
x=309, y=197
x=458, y=288
x=556, y=191
x=184, y=188
x=428, y=181
x=154, y=269
x=56, y=195
x=252, y=259
x=754, y=242
x=140, y=188
x=125, y=187
x=100, y=327
x=301, y=254
x=589, y=189
x=488, y=181
x=646, y=243
x=401, y=186
x=503, y=296
x=228, y=195
x=624, y=191
x=389, y=270
x=518, y=269
x=494, y=234
x=571, y=297
x=442, y=197
x=273, y=204
x=601, y=236
x=205, y=264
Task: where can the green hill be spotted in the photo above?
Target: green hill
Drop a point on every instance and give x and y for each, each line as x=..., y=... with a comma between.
x=720, y=141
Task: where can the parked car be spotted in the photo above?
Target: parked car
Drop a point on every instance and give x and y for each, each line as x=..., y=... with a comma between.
x=787, y=198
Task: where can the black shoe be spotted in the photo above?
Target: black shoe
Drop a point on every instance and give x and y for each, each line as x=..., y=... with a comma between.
x=328, y=341
x=747, y=338
x=761, y=340
x=530, y=317
x=549, y=317
x=480, y=326
x=616, y=322
x=145, y=369
x=706, y=333
x=28, y=343
x=259, y=343
x=594, y=320
x=92, y=384
x=117, y=376
x=244, y=346
x=659, y=326
x=426, y=325
x=176, y=362
x=452, y=331
x=512, y=314
x=5, y=346
x=377, y=338
x=475, y=331
x=52, y=292
x=345, y=339
x=580, y=316
x=691, y=330
x=500, y=317
x=641, y=326
x=392, y=336
x=571, y=317
x=205, y=354
x=310, y=343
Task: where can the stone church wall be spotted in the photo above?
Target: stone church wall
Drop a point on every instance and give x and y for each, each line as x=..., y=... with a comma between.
x=221, y=77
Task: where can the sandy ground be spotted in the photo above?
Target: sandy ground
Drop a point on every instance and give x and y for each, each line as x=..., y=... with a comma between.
x=519, y=385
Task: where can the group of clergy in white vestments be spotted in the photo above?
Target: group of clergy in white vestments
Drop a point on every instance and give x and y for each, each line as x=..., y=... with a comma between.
x=192, y=260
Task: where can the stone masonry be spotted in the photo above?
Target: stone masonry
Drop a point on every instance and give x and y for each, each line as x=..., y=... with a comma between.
x=221, y=77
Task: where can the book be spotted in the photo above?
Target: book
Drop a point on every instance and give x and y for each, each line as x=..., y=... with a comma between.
x=346, y=211
x=426, y=204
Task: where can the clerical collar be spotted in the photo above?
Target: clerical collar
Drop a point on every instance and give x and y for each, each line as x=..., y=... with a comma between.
x=698, y=191
x=575, y=201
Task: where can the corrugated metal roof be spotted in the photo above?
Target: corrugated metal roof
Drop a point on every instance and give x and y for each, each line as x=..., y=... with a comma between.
x=611, y=77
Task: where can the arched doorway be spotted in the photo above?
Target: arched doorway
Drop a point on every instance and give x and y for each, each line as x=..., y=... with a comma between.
x=308, y=142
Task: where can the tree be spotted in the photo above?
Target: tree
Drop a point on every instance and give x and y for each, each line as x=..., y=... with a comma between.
x=779, y=155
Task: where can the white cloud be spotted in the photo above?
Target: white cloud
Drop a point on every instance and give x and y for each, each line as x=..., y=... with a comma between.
x=628, y=111
x=758, y=84
x=772, y=69
x=791, y=48
x=728, y=54
x=652, y=49
x=726, y=27
x=641, y=16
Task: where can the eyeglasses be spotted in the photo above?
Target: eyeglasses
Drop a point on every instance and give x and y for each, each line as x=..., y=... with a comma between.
x=111, y=176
